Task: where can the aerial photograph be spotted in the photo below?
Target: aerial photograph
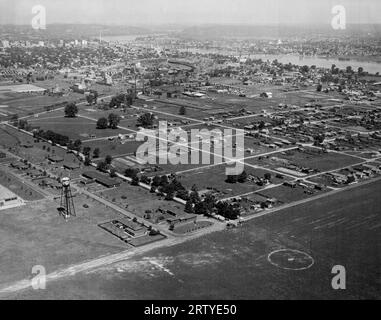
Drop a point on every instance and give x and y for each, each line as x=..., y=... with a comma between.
x=190, y=150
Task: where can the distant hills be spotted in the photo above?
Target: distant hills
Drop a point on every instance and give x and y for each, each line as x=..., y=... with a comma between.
x=275, y=31
x=201, y=32
x=69, y=31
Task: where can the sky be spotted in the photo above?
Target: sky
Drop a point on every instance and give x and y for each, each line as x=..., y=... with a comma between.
x=190, y=12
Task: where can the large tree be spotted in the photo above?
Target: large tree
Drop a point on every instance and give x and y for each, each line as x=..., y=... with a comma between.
x=108, y=159
x=231, y=179
x=77, y=145
x=113, y=120
x=96, y=152
x=92, y=98
x=189, y=207
x=242, y=177
x=71, y=110
x=183, y=111
x=200, y=208
x=102, y=123
x=102, y=166
x=86, y=151
x=131, y=172
x=146, y=120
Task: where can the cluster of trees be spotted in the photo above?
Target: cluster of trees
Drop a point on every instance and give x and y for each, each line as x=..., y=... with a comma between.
x=22, y=124
x=126, y=99
x=210, y=205
x=71, y=110
x=146, y=120
x=241, y=178
x=105, y=165
x=228, y=210
x=111, y=122
x=75, y=145
x=87, y=151
x=319, y=139
x=171, y=187
x=52, y=136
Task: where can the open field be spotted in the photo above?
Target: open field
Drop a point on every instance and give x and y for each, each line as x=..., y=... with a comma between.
x=138, y=200
x=28, y=103
x=340, y=230
x=113, y=148
x=215, y=178
x=320, y=162
x=18, y=186
x=287, y=194
x=36, y=235
x=191, y=227
x=75, y=128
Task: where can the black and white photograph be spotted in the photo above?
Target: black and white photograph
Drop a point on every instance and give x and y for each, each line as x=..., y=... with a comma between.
x=190, y=150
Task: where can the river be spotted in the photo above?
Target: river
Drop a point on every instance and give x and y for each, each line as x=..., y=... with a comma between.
x=371, y=67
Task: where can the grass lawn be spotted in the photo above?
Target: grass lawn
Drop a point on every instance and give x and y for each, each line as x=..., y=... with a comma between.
x=113, y=148
x=75, y=128
x=287, y=194
x=320, y=162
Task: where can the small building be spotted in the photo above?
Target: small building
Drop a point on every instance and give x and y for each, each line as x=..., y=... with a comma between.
x=55, y=158
x=133, y=228
x=182, y=219
x=268, y=95
x=34, y=173
x=290, y=184
x=71, y=165
x=102, y=179
x=27, y=145
x=19, y=165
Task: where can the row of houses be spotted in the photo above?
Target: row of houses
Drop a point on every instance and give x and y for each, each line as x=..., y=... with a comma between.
x=355, y=173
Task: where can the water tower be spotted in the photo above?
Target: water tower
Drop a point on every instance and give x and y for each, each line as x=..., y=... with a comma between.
x=67, y=204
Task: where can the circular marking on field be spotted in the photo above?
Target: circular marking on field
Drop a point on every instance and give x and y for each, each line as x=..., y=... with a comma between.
x=290, y=259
